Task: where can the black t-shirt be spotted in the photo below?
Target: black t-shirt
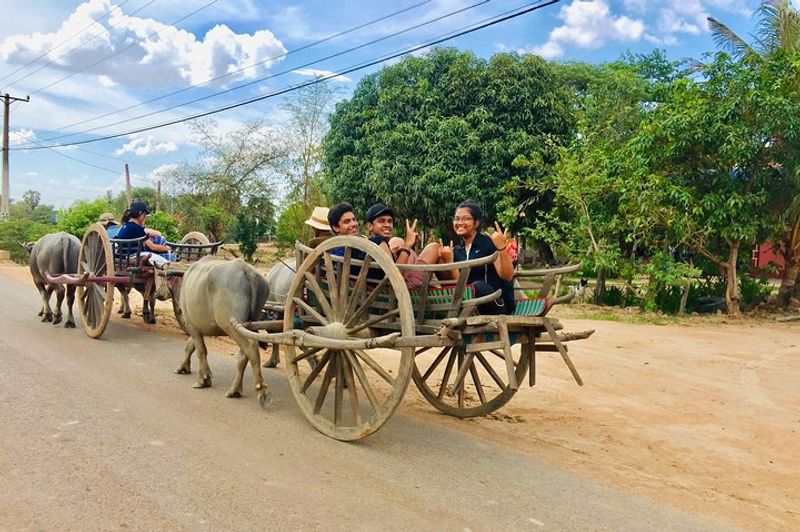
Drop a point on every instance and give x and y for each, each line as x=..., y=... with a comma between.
x=131, y=230
x=482, y=247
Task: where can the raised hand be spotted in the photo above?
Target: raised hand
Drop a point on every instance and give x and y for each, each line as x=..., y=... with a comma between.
x=499, y=237
x=411, y=233
x=446, y=253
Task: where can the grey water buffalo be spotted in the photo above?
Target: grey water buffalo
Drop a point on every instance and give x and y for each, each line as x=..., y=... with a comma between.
x=55, y=254
x=279, y=279
x=214, y=291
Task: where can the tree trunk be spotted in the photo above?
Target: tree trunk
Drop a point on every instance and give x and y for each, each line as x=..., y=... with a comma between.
x=789, y=286
x=600, y=286
x=732, y=280
x=546, y=254
x=796, y=289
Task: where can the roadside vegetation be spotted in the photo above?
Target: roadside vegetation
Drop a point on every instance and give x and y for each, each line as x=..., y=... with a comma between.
x=661, y=177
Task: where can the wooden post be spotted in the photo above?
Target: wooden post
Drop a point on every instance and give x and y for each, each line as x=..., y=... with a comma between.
x=158, y=195
x=128, y=183
x=6, y=187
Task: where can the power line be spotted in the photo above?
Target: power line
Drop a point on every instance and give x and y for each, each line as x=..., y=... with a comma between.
x=123, y=49
x=218, y=78
x=29, y=74
x=65, y=41
x=275, y=75
x=111, y=157
x=485, y=23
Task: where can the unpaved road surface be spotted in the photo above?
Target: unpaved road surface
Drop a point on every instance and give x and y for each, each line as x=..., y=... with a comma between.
x=100, y=434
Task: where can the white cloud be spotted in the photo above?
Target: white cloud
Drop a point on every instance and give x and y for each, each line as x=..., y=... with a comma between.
x=159, y=54
x=21, y=136
x=143, y=147
x=589, y=24
x=317, y=73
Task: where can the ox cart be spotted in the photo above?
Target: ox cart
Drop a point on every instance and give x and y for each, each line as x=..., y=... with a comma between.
x=355, y=334
x=107, y=263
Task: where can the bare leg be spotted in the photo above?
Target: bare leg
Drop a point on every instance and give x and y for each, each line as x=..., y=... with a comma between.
x=431, y=253
x=186, y=367
x=70, y=323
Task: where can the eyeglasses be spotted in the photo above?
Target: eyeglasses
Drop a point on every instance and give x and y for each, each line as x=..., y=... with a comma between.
x=464, y=219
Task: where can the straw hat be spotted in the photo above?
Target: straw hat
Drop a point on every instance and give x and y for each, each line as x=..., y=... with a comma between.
x=107, y=218
x=319, y=219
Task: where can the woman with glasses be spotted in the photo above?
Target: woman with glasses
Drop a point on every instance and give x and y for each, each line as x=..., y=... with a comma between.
x=468, y=225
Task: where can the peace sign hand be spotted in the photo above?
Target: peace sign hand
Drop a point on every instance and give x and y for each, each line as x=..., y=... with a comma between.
x=411, y=233
x=499, y=237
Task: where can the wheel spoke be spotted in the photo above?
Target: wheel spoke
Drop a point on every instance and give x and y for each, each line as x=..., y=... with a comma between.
x=308, y=352
x=477, y=381
x=311, y=310
x=358, y=290
x=319, y=294
x=460, y=387
x=490, y=370
x=362, y=377
x=436, y=362
x=464, y=362
x=375, y=366
x=501, y=356
x=314, y=372
x=374, y=320
x=330, y=273
x=338, y=398
x=367, y=303
x=344, y=279
x=351, y=388
x=446, y=376
x=326, y=382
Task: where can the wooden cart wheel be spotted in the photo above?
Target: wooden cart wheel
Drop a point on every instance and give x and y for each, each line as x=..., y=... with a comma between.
x=95, y=300
x=195, y=237
x=467, y=384
x=349, y=394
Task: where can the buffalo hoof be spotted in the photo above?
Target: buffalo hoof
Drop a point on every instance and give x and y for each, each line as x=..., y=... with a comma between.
x=264, y=398
x=183, y=370
x=233, y=393
x=272, y=362
x=203, y=382
x=57, y=319
x=150, y=319
x=41, y=313
x=69, y=325
x=47, y=317
x=126, y=315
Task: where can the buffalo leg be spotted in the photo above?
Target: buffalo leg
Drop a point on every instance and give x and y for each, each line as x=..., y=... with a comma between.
x=70, y=323
x=204, y=373
x=186, y=367
x=48, y=314
x=57, y=316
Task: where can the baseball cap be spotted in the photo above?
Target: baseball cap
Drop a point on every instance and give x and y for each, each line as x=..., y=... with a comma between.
x=379, y=209
x=137, y=208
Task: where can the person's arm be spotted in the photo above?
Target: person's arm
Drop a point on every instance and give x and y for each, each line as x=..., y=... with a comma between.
x=503, y=264
x=156, y=248
x=152, y=232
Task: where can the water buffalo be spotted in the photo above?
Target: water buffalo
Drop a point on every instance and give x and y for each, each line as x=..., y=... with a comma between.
x=279, y=280
x=55, y=254
x=212, y=292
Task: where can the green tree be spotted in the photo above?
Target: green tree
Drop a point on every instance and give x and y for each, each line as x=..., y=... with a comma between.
x=703, y=165
x=253, y=222
x=289, y=224
x=777, y=32
x=13, y=233
x=429, y=132
x=31, y=198
x=78, y=217
x=166, y=224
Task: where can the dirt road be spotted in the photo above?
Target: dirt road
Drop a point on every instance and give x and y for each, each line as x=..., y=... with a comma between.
x=101, y=434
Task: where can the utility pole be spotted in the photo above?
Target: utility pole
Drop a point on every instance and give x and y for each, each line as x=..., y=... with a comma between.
x=128, y=184
x=6, y=106
x=158, y=196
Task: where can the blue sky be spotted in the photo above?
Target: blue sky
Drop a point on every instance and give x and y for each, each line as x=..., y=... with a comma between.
x=82, y=60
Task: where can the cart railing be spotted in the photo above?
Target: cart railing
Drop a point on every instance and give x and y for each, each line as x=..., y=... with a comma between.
x=194, y=252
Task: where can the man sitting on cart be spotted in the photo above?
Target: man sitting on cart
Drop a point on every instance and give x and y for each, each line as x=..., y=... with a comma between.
x=134, y=228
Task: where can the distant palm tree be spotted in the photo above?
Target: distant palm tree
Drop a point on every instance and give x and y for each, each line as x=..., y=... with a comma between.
x=777, y=29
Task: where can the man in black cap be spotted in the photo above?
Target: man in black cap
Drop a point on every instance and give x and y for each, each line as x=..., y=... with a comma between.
x=134, y=228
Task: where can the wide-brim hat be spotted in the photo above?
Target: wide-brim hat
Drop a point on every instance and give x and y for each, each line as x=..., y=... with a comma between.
x=319, y=219
x=107, y=218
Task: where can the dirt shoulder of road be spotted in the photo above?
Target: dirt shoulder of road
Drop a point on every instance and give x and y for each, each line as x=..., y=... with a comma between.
x=703, y=414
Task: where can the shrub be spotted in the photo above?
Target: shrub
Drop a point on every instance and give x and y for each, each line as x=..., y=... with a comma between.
x=754, y=291
x=166, y=224
x=81, y=215
x=15, y=232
